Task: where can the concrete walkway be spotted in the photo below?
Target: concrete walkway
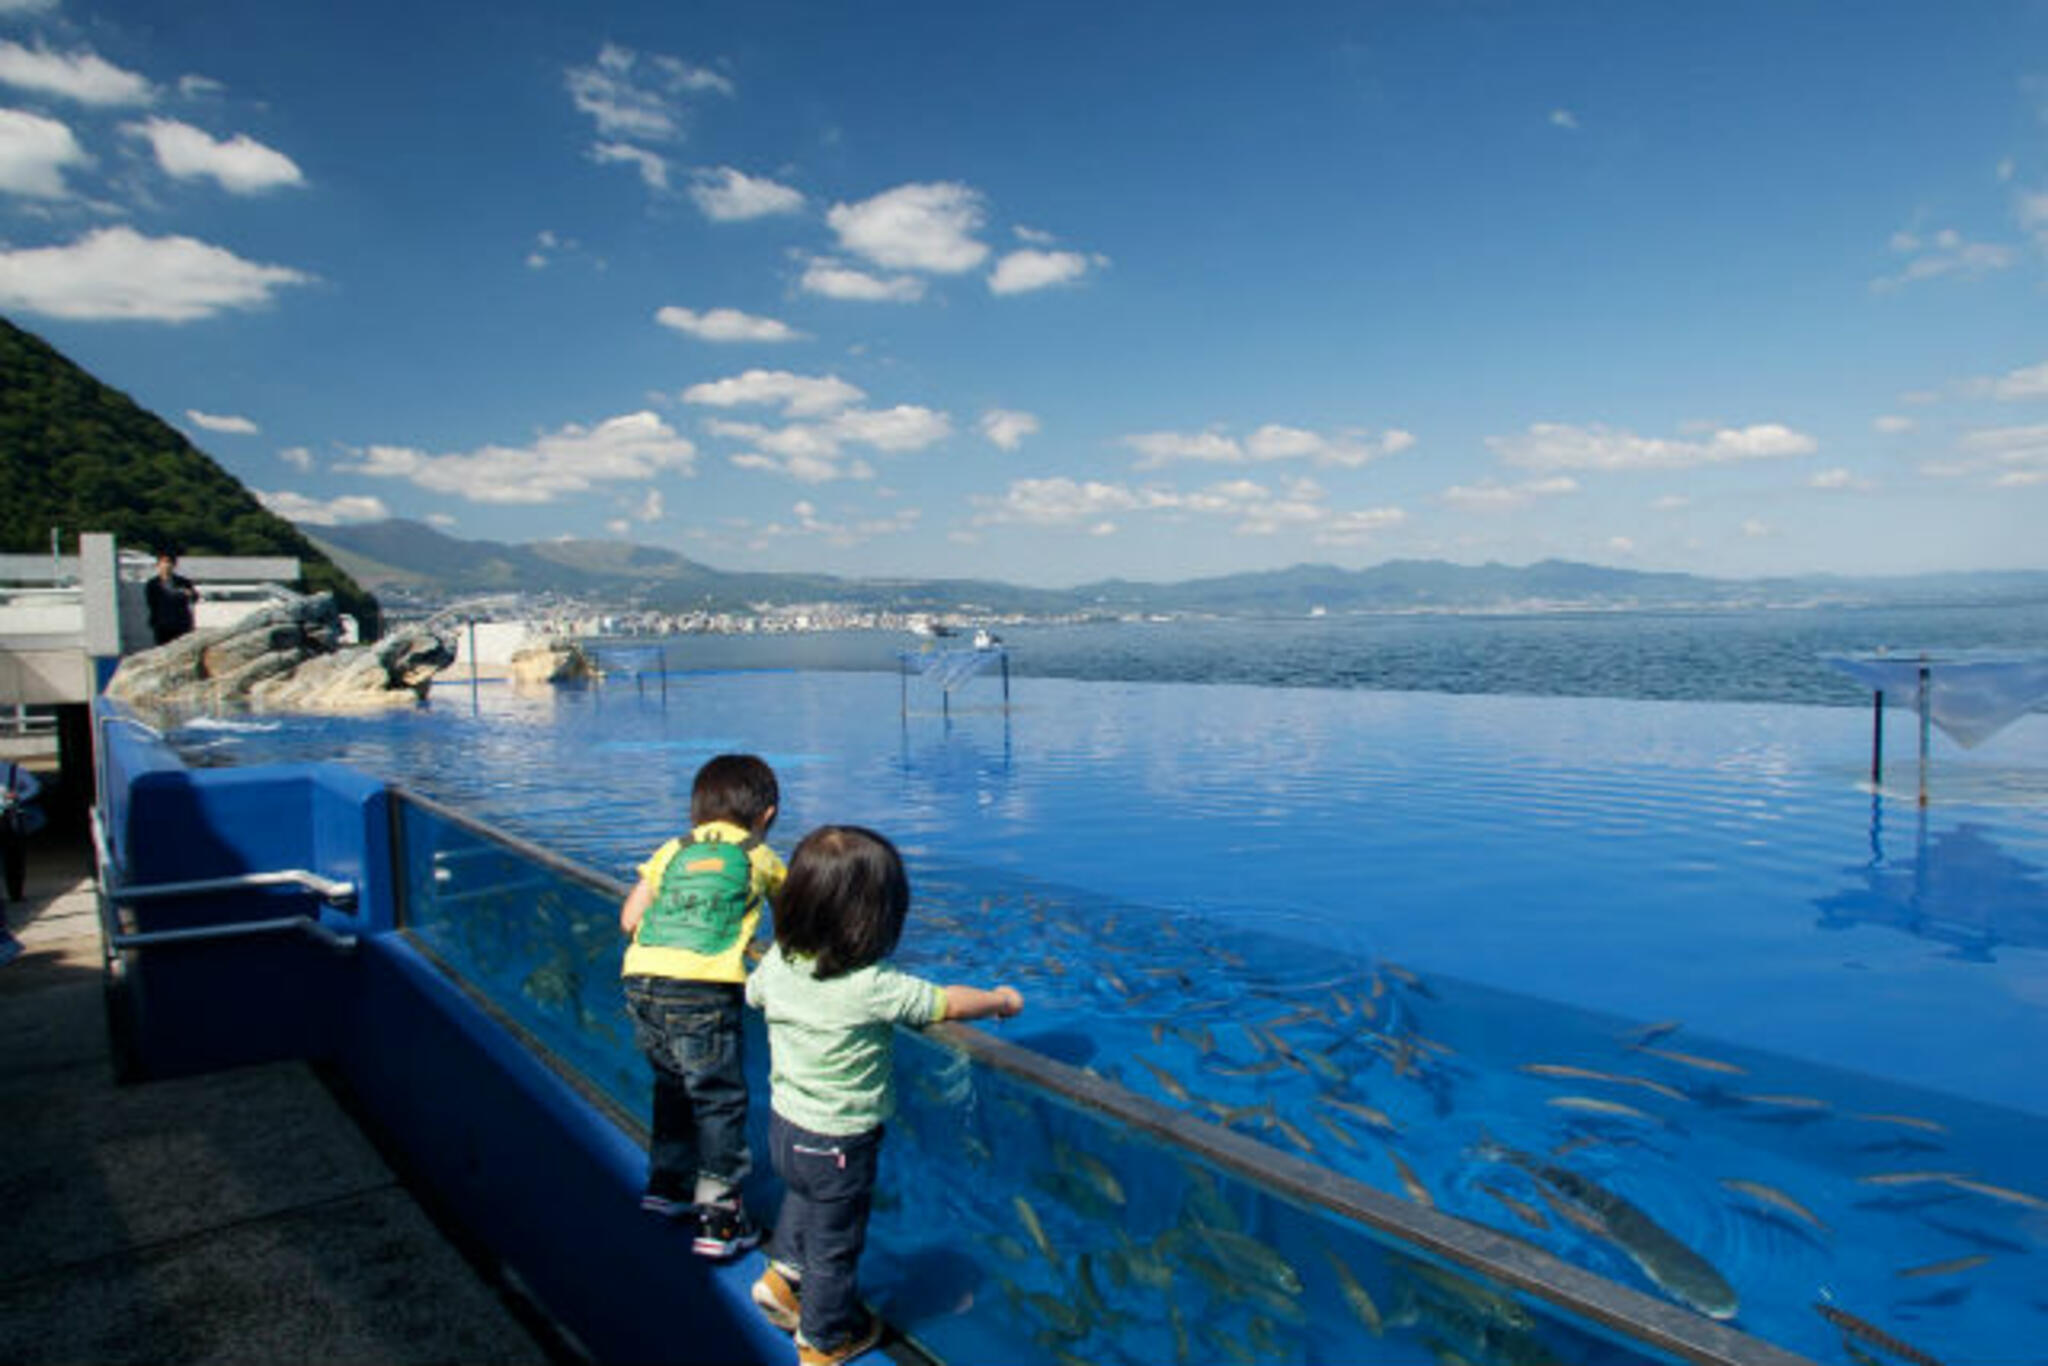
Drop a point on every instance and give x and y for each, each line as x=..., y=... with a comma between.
x=234, y=1217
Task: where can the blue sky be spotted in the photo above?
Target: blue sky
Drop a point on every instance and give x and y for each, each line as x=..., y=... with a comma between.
x=1065, y=291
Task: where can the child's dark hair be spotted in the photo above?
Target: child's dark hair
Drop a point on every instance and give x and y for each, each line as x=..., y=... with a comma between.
x=845, y=900
x=733, y=787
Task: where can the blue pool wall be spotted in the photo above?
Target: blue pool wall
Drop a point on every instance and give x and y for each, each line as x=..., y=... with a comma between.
x=496, y=1140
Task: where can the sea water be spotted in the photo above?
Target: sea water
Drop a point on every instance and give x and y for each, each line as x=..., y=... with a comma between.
x=1685, y=951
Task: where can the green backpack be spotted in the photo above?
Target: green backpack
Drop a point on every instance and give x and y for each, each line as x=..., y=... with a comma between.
x=702, y=898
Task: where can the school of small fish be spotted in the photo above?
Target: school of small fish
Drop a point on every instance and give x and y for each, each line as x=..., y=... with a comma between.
x=1356, y=1075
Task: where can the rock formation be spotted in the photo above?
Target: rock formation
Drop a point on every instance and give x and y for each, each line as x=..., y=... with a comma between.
x=553, y=662
x=284, y=657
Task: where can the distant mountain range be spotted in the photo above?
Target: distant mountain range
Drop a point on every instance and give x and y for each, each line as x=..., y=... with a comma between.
x=413, y=558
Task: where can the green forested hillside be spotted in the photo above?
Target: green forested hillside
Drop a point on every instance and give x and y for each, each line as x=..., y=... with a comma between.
x=79, y=456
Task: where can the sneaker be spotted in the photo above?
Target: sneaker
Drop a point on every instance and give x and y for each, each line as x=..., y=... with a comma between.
x=724, y=1232
x=667, y=1207
x=776, y=1297
x=862, y=1339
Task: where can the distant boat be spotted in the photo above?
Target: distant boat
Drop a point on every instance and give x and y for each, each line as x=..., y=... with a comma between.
x=985, y=639
x=925, y=626
x=1319, y=611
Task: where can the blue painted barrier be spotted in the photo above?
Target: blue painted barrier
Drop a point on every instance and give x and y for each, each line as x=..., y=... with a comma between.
x=537, y=1174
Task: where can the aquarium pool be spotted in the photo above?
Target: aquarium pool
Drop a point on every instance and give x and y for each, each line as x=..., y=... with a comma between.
x=1451, y=946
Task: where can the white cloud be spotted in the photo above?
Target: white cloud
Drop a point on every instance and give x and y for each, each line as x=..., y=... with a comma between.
x=1059, y=502
x=1621, y=545
x=1756, y=529
x=630, y=100
x=2028, y=382
x=632, y=448
x=238, y=426
x=298, y=457
x=2032, y=212
x=729, y=196
x=1029, y=269
x=1253, y=509
x=82, y=76
x=1672, y=502
x=200, y=87
x=1359, y=525
x=241, y=164
x=2009, y=457
x=726, y=325
x=799, y=395
x=1944, y=253
x=1564, y=118
x=117, y=273
x=926, y=227
x=1559, y=446
x=843, y=534
x=814, y=452
x=16, y=7
x=1839, y=480
x=1007, y=429
x=33, y=154
x=651, y=508
x=1491, y=495
x=296, y=507
x=1270, y=442
x=905, y=427
x=837, y=280
x=1890, y=424
x=653, y=167
x=442, y=520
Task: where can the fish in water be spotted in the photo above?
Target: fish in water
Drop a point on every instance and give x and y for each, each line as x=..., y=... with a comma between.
x=1029, y=1217
x=1411, y=1183
x=2001, y=1193
x=1167, y=1082
x=1562, y=1070
x=1951, y=1267
x=1521, y=1209
x=1693, y=1060
x=1671, y=1265
x=1376, y=1118
x=1589, y=1105
x=1865, y=1331
x=1777, y=1199
x=1355, y=1296
x=1905, y=1121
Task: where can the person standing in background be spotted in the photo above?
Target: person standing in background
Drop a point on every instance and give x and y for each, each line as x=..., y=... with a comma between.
x=171, y=596
x=18, y=819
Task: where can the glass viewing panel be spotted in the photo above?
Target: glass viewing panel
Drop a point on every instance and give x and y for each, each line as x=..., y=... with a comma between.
x=1012, y=1220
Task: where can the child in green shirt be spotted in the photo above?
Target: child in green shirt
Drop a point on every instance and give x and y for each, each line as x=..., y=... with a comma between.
x=832, y=1004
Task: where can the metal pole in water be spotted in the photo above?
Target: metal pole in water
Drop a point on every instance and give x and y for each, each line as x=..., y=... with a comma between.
x=473, y=702
x=1877, y=739
x=1926, y=715
x=1006, y=680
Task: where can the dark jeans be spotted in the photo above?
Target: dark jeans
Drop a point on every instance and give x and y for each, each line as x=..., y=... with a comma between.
x=692, y=1035
x=13, y=858
x=830, y=1187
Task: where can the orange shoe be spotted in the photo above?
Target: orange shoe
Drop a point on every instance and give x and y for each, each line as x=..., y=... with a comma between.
x=777, y=1299
x=862, y=1339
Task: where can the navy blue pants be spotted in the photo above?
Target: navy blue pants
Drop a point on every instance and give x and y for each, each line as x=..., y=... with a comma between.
x=693, y=1036
x=829, y=1189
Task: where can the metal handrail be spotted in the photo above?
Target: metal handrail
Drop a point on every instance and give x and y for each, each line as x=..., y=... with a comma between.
x=110, y=895
x=1489, y=1252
